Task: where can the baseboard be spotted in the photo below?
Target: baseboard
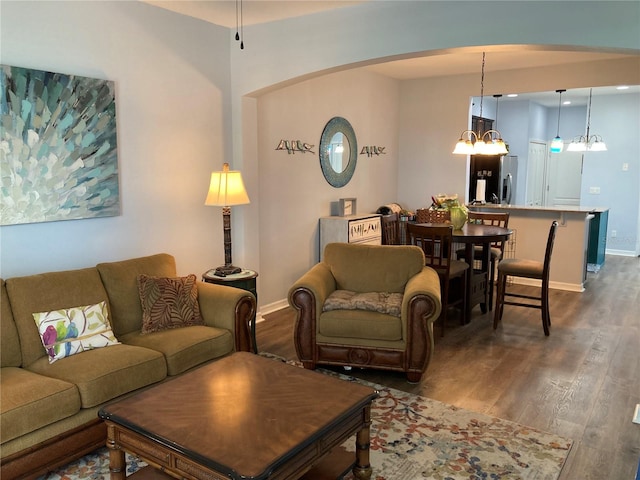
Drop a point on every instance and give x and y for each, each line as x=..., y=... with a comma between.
x=570, y=287
x=621, y=253
x=270, y=308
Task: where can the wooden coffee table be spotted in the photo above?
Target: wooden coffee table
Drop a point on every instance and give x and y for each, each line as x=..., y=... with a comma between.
x=241, y=417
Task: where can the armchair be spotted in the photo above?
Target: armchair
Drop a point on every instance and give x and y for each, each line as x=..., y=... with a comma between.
x=373, y=332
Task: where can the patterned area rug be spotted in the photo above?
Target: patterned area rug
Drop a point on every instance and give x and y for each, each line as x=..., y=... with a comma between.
x=413, y=438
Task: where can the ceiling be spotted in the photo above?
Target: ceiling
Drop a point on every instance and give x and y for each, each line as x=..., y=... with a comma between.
x=223, y=12
x=228, y=13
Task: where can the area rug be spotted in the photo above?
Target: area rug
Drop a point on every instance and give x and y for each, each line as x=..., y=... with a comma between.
x=414, y=437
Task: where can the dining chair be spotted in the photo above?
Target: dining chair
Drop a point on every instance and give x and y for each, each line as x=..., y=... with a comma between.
x=428, y=215
x=436, y=243
x=523, y=268
x=498, y=219
x=391, y=229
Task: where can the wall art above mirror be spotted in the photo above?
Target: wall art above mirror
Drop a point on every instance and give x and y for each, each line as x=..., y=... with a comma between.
x=338, y=152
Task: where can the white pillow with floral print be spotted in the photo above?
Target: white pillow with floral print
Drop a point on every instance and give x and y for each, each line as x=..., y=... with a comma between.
x=73, y=330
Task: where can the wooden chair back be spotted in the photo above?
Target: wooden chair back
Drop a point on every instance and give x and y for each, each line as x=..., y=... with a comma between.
x=391, y=229
x=547, y=254
x=497, y=219
x=435, y=241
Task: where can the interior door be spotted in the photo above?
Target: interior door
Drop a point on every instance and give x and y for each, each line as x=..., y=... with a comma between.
x=564, y=178
x=535, y=173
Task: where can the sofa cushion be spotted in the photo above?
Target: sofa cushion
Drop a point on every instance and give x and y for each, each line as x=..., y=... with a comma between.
x=29, y=401
x=383, y=302
x=47, y=292
x=168, y=302
x=121, y=283
x=106, y=373
x=185, y=348
x=373, y=268
x=360, y=324
x=10, y=355
x=74, y=330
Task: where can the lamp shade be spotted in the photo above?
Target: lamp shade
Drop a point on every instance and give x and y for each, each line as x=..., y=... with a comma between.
x=226, y=188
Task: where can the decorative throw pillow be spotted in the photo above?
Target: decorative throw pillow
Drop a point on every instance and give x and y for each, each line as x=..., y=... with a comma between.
x=168, y=302
x=73, y=330
x=383, y=302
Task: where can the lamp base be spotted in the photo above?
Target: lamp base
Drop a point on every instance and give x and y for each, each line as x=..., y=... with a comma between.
x=224, y=270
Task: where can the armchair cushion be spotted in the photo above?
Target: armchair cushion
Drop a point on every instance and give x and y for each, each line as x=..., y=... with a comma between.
x=365, y=269
x=362, y=324
x=383, y=302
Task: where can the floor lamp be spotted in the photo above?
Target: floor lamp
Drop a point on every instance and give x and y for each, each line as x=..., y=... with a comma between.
x=225, y=190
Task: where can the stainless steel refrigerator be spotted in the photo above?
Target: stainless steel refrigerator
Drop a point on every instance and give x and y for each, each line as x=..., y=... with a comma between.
x=498, y=175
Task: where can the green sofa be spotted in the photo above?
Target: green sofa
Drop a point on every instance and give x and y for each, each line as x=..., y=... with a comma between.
x=48, y=411
x=367, y=306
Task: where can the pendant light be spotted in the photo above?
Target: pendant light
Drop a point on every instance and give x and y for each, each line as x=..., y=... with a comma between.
x=557, y=145
x=489, y=143
x=591, y=143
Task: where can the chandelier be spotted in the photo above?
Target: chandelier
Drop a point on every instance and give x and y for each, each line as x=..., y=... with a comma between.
x=584, y=143
x=487, y=143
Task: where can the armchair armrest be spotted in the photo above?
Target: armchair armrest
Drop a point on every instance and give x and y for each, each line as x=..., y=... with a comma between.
x=318, y=281
x=307, y=295
x=421, y=306
x=229, y=308
x=425, y=283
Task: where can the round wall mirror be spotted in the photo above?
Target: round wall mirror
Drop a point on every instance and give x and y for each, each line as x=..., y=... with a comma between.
x=338, y=152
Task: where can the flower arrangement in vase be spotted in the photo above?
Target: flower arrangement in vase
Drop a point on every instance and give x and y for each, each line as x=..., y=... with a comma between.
x=458, y=213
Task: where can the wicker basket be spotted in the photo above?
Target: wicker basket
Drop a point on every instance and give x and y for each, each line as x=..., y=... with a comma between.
x=427, y=215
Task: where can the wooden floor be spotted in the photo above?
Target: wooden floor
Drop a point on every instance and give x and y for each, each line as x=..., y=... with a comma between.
x=582, y=382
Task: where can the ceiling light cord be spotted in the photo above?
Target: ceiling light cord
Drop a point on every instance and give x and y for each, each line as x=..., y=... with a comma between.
x=482, y=85
x=559, y=110
x=239, y=24
x=589, y=114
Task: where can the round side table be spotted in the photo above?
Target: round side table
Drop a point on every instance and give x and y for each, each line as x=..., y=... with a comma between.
x=245, y=280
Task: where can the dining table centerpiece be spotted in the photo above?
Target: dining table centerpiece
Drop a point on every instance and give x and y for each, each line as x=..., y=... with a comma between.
x=458, y=212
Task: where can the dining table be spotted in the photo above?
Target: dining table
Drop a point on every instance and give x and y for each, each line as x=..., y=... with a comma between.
x=471, y=235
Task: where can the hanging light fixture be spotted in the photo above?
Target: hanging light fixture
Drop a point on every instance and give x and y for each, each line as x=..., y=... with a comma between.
x=591, y=143
x=557, y=145
x=240, y=30
x=487, y=143
x=495, y=146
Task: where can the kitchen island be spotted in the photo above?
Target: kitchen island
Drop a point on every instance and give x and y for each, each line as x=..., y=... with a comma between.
x=570, y=252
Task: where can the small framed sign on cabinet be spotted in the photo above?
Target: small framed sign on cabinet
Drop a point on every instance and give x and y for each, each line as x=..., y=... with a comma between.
x=347, y=207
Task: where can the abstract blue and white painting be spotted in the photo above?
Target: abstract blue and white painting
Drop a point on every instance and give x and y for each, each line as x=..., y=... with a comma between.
x=58, y=149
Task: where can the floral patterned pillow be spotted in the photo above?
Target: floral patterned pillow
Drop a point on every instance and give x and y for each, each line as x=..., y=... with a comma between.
x=383, y=302
x=168, y=302
x=74, y=330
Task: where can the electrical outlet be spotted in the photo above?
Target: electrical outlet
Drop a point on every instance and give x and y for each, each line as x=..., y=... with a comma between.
x=625, y=167
x=614, y=233
x=595, y=190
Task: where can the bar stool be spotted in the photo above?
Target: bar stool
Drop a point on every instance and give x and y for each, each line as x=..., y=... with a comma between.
x=516, y=267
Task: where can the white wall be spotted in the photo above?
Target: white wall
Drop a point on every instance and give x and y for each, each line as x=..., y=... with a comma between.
x=172, y=96
x=617, y=119
x=294, y=194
